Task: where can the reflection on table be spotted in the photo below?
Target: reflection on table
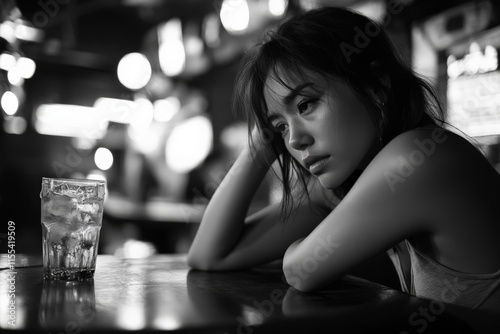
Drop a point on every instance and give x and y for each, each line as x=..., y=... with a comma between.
x=161, y=293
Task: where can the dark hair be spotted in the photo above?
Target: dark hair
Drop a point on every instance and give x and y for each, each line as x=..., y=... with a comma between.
x=335, y=42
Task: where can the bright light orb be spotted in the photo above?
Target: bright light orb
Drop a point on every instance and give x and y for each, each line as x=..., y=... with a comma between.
x=235, y=15
x=27, y=67
x=134, y=71
x=189, y=144
x=171, y=52
x=277, y=7
x=165, y=109
x=10, y=103
x=103, y=158
x=172, y=57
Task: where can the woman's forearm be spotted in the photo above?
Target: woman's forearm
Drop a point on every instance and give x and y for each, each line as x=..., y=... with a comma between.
x=223, y=220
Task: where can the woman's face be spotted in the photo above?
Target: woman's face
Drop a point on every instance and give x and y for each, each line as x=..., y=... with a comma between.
x=326, y=128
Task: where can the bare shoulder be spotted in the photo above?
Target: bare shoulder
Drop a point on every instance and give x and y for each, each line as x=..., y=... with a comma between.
x=438, y=168
x=445, y=180
x=428, y=144
x=434, y=154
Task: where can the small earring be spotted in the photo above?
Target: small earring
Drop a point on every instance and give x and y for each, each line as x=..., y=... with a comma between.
x=381, y=124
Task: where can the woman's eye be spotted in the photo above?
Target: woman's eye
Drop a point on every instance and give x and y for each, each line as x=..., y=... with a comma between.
x=303, y=106
x=281, y=128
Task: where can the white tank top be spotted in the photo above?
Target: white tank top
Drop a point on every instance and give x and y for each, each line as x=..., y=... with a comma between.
x=474, y=298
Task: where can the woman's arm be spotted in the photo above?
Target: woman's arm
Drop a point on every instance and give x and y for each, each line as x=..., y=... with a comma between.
x=229, y=240
x=388, y=203
x=223, y=220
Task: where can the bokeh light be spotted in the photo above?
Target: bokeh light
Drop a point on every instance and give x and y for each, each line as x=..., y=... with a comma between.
x=103, y=158
x=235, y=15
x=134, y=71
x=9, y=102
x=189, y=144
x=171, y=52
x=166, y=108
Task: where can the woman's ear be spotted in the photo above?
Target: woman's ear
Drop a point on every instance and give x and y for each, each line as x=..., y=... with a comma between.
x=383, y=84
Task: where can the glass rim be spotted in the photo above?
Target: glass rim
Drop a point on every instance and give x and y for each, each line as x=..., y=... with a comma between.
x=74, y=180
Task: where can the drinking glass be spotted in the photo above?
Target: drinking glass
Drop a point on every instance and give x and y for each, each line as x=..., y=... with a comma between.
x=71, y=217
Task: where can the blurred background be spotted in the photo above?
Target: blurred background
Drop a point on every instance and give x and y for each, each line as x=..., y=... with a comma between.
x=138, y=92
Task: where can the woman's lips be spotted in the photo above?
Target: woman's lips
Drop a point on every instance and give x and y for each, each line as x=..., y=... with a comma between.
x=317, y=167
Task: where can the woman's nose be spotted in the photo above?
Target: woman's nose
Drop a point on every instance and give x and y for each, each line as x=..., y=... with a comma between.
x=299, y=138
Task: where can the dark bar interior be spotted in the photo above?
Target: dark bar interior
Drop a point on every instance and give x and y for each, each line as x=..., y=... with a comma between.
x=139, y=94
x=77, y=47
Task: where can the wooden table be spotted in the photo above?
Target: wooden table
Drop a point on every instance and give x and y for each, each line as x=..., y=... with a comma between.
x=162, y=294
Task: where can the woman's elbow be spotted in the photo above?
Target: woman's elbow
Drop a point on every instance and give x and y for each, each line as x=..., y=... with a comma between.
x=196, y=263
x=305, y=280
x=297, y=278
x=203, y=264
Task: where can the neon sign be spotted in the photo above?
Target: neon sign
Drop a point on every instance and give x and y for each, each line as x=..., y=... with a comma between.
x=474, y=62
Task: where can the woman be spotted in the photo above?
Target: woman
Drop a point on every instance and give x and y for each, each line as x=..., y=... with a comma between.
x=363, y=136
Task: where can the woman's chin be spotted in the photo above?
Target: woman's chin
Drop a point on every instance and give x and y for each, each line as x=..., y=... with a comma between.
x=328, y=181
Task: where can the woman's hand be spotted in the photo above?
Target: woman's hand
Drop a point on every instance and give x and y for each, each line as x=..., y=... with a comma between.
x=265, y=143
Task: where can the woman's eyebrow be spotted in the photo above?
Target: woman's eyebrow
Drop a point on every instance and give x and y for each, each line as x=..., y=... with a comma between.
x=272, y=117
x=288, y=98
x=294, y=92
